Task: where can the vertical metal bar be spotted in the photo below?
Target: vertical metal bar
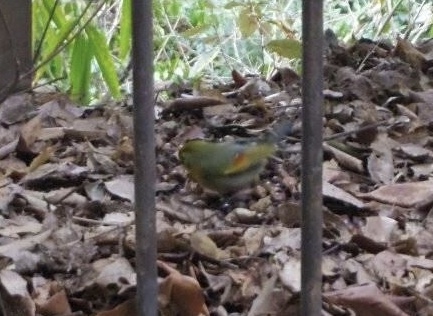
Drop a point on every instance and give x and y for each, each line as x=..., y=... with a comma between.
x=144, y=143
x=312, y=155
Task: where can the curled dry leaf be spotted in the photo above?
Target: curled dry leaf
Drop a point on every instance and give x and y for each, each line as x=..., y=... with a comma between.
x=57, y=304
x=181, y=294
x=127, y=308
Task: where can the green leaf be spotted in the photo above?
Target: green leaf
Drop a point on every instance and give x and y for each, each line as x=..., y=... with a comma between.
x=80, y=70
x=104, y=59
x=247, y=22
x=58, y=16
x=288, y=48
x=125, y=30
x=55, y=39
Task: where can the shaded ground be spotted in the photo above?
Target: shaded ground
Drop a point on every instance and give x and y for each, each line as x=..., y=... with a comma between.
x=66, y=225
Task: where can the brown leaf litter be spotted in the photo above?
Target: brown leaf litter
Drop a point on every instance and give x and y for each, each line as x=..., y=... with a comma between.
x=66, y=193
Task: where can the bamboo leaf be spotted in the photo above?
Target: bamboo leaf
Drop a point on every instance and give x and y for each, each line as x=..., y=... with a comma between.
x=125, y=30
x=80, y=70
x=59, y=16
x=55, y=39
x=104, y=59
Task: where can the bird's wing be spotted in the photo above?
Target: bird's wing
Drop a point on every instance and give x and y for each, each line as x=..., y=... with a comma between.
x=240, y=162
x=249, y=157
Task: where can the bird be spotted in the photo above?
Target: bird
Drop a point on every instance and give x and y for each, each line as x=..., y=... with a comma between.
x=229, y=166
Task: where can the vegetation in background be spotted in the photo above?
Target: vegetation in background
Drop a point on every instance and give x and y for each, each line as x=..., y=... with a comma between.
x=82, y=45
x=85, y=45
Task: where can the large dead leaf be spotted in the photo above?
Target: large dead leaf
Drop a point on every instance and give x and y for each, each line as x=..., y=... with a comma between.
x=380, y=163
x=181, y=294
x=411, y=194
x=122, y=186
x=14, y=296
x=365, y=300
x=334, y=192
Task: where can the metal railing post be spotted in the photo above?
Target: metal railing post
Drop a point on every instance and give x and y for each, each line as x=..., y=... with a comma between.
x=144, y=143
x=312, y=155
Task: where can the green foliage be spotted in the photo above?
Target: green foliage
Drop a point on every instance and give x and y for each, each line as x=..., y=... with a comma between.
x=80, y=69
x=288, y=48
x=256, y=35
x=125, y=30
x=380, y=18
x=74, y=44
x=101, y=52
x=88, y=43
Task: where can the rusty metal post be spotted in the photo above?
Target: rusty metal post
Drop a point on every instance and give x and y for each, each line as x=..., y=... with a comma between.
x=144, y=143
x=312, y=156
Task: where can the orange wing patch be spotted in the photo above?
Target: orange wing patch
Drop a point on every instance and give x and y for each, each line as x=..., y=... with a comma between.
x=239, y=163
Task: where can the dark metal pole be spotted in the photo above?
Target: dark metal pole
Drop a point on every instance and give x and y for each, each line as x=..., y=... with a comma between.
x=312, y=155
x=144, y=142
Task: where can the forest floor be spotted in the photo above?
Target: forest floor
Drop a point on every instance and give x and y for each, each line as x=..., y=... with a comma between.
x=67, y=234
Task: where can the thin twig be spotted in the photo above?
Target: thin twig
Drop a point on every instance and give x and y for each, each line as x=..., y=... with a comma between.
x=412, y=24
x=343, y=134
x=361, y=129
x=388, y=18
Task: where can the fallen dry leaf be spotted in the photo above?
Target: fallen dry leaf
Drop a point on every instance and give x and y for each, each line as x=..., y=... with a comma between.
x=365, y=300
x=181, y=294
x=14, y=296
